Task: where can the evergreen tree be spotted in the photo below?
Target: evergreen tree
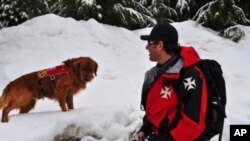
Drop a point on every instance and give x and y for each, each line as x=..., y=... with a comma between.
x=245, y=5
x=11, y=14
x=131, y=14
x=195, y=5
x=142, y=2
x=136, y=6
x=182, y=9
x=126, y=13
x=220, y=14
x=53, y=6
x=162, y=11
x=33, y=8
x=78, y=9
x=145, y=3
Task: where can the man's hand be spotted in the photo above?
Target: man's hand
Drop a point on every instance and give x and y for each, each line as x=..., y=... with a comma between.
x=141, y=136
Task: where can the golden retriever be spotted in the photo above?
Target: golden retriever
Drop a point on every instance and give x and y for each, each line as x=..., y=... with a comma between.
x=23, y=92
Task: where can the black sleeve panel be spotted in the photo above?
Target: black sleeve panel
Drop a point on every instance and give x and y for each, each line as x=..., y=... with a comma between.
x=191, y=85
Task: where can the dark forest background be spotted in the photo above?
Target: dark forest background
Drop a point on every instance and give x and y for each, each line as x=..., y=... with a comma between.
x=224, y=16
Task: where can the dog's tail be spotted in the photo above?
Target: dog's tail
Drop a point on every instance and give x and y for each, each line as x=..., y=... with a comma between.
x=4, y=97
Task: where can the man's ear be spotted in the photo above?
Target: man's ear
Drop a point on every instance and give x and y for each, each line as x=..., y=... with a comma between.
x=161, y=45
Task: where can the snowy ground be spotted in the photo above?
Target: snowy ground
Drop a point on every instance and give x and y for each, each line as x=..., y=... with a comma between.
x=108, y=110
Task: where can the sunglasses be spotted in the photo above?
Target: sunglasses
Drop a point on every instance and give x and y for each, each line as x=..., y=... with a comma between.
x=152, y=43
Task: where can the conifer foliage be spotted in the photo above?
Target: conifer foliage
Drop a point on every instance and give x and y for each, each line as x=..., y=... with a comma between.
x=221, y=14
x=79, y=9
x=162, y=11
x=11, y=14
x=183, y=10
x=126, y=13
x=218, y=15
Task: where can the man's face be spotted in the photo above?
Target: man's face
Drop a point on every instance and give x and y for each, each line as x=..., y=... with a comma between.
x=154, y=50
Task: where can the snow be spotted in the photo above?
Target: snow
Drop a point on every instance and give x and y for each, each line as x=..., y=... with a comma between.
x=108, y=109
x=182, y=5
x=89, y=2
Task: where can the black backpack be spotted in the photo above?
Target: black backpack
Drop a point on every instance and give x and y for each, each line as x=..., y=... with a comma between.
x=216, y=90
x=216, y=99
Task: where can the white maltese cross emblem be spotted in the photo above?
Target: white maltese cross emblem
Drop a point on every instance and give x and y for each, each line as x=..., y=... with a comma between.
x=165, y=92
x=189, y=83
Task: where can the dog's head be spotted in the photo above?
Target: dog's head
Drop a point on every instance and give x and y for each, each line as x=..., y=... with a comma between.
x=84, y=68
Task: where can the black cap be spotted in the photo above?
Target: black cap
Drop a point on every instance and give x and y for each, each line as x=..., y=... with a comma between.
x=165, y=32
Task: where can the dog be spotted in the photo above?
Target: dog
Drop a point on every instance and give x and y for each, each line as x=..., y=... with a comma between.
x=60, y=83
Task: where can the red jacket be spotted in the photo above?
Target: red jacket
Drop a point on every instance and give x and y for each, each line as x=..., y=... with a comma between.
x=163, y=97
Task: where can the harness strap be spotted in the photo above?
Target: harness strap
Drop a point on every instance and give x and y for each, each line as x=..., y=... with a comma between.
x=42, y=90
x=51, y=72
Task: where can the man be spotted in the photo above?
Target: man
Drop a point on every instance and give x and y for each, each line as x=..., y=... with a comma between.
x=174, y=94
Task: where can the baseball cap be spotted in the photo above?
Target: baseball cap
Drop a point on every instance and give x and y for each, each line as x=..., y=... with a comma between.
x=165, y=32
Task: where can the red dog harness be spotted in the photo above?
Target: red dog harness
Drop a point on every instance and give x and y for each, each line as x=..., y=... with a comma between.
x=51, y=72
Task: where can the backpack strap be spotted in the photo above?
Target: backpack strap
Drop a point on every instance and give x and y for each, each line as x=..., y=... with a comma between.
x=42, y=88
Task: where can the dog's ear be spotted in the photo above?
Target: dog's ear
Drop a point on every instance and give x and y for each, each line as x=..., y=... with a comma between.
x=73, y=64
x=96, y=67
x=76, y=68
x=69, y=62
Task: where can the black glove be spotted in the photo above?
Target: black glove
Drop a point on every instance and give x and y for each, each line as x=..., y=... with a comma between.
x=146, y=127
